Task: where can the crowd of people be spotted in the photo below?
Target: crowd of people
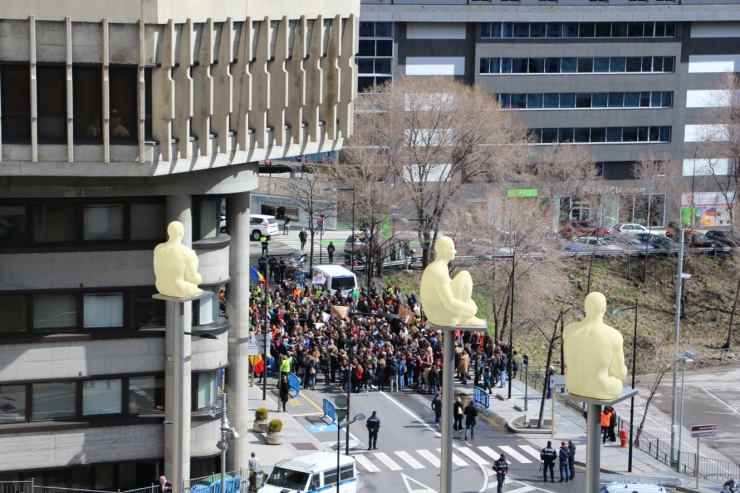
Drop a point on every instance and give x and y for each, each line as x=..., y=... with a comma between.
x=367, y=341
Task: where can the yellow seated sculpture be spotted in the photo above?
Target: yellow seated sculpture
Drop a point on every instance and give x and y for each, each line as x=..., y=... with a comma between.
x=594, y=354
x=447, y=302
x=176, y=266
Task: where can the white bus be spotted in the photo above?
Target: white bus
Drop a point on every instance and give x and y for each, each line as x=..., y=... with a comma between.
x=312, y=474
x=334, y=277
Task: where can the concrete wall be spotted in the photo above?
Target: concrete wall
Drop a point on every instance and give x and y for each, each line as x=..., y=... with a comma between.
x=209, y=354
x=213, y=264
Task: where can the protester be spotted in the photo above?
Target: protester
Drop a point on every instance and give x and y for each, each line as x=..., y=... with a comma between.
x=564, y=456
x=572, y=462
x=437, y=408
x=470, y=414
x=458, y=415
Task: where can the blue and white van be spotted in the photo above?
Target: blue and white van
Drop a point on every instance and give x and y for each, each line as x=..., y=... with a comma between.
x=312, y=473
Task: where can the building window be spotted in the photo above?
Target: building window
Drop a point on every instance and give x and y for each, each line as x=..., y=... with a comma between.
x=578, y=29
x=209, y=218
x=54, y=400
x=12, y=224
x=658, y=64
x=88, y=103
x=123, y=104
x=103, y=221
x=601, y=135
x=54, y=223
x=148, y=222
x=102, y=310
x=12, y=403
x=206, y=310
x=16, y=102
x=101, y=397
x=375, y=54
x=148, y=312
x=14, y=310
x=51, y=97
x=597, y=100
x=205, y=390
x=146, y=395
x=54, y=312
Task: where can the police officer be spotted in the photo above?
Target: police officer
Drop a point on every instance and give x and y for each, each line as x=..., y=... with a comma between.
x=373, y=425
x=264, y=242
x=501, y=467
x=548, y=456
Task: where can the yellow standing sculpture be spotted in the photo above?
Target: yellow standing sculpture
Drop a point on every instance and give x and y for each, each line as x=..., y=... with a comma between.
x=447, y=302
x=594, y=354
x=176, y=266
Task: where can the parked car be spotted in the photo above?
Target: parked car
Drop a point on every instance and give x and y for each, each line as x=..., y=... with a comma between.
x=589, y=244
x=630, y=228
x=729, y=238
x=260, y=225
x=658, y=241
x=700, y=240
x=630, y=244
x=584, y=228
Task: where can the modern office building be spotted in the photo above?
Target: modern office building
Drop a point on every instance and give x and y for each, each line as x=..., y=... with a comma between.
x=116, y=117
x=624, y=77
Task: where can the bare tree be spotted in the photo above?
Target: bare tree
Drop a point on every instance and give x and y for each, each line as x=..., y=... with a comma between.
x=435, y=135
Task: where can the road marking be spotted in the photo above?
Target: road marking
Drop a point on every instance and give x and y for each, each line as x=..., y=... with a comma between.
x=388, y=461
x=321, y=428
x=307, y=414
x=734, y=411
x=312, y=403
x=423, y=488
x=410, y=413
x=472, y=455
x=366, y=464
x=521, y=490
x=531, y=451
x=489, y=452
x=406, y=457
x=430, y=457
x=514, y=454
x=457, y=460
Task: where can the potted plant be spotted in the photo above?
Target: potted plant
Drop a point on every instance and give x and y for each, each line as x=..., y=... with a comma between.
x=275, y=432
x=260, y=420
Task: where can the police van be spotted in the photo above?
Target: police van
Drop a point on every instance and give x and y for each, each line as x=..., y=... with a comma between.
x=334, y=278
x=312, y=474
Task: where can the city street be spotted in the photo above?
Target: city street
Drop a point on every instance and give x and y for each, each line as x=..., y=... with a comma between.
x=407, y=458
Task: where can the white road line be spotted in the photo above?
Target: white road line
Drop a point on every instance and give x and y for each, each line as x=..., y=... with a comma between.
x=489, y=452
x=521, y=490
x=509, y=451
x=430, y=457
x=457, y=460
x=531, y=451
x=410, y=413
x=406, y=457
x=388, y=461
x=473, y=456
x=734, y=411
x=366, y=464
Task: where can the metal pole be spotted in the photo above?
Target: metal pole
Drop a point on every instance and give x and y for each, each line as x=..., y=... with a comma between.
x=697, y=464
x=552, y=406
x=178, y=308
x=349, y=393
x=632, y=399
x=224, y=445
x=321, y=245
x=264, y=370
x=679, y=282
x=339, y=437
x=511, y=328
x=352, y=261
x=526, y=386
x=680, y=427
x=369, y=261
x=593, y=448
x=448, y=392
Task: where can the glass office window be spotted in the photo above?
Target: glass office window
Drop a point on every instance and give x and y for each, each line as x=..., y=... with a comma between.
x=634, y=64
x=209, y=219
x=206, y=390
x=570, y=29
x=667, y=63
x=367, y=48
x=635, y=29
x=554, y=29
x=603, y=29
x=614, y=134
x=567, y=100
x=642, y=134
x=552, y=100
x=103, y=221
x=101, y=397
x=12, y=223
x=583, y=100
x=123, y=103
x=367, y=29
x=599, y=100
x=534, y=101
x=146, y=395
x=518, y=101
x=598, y=135
x=549, y=135
x=565, y=135
x=631, y=99
x=582, y=135
x=521, y=29
x=208, y=311
x=585, y=65
x=519, y=65
x=384, y=48
x=54, y=311
x=644, y=99
x=54, y=400
x=601, y=65
x=505, y=100
x=54, y=223
x=15, y=101
x=536, y=65
x=629, y=134
x=13, y=309
x=51, y=98
x=382, y=65
x=506, y=65
x=568, y=65
x=665, y=134
x=148, y=312
x=656, y=99
x=365, y=65
x=616, y=99
x=667, y=99
x=12, y=403
x=508, y=30
x=552, y=65
x=88, y=103
x=586, y=30
x=537, y=30
x=616, y=64
x=383, y=30
x=148, y=222
x=103, y=310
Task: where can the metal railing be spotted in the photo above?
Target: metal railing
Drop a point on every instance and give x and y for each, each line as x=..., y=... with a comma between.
x=481, y=397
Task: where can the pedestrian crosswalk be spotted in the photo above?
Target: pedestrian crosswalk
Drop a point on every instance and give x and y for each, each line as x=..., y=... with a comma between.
x=462, y=456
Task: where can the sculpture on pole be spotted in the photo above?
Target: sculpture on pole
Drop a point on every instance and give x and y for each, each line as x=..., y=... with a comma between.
x=448, y=302
x=176, y=266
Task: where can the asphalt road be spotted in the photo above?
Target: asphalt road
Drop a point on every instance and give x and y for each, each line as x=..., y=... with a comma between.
x=407, y=459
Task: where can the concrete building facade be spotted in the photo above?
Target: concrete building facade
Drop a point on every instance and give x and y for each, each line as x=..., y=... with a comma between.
x=625, y=78
x=116, y=118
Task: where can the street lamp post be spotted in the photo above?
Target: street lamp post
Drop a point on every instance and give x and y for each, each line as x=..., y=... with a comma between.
x=226, y=431
x=680, y=277
x=352, y=260
x=339, y=437
x=634, y=362
x=687, y=357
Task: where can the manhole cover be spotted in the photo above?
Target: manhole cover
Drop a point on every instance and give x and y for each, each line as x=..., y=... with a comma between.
x=304, y=446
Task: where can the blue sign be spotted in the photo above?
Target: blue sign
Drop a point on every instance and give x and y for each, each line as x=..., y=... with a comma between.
x=299, y=277
x=526, y=360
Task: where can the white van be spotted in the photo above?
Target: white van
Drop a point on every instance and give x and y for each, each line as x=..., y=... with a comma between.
x=312, y=473
x=261, y=225
x=335, y=278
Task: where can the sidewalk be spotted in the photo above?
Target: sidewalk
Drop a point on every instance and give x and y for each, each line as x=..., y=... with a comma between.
x=571, y=425
x=297, y=440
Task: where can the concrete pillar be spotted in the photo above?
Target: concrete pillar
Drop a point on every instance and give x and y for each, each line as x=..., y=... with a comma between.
x=178, y=209
x=237, y=309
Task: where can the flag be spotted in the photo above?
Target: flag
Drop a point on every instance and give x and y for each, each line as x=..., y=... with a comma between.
x=257, y=276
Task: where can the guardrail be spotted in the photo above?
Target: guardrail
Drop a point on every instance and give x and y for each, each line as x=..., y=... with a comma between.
x=31, y=487
x=481, y=397
x=294, y=384
x=330, y=411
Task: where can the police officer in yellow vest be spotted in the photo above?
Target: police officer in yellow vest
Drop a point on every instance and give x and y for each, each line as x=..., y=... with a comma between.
x=263, y=241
